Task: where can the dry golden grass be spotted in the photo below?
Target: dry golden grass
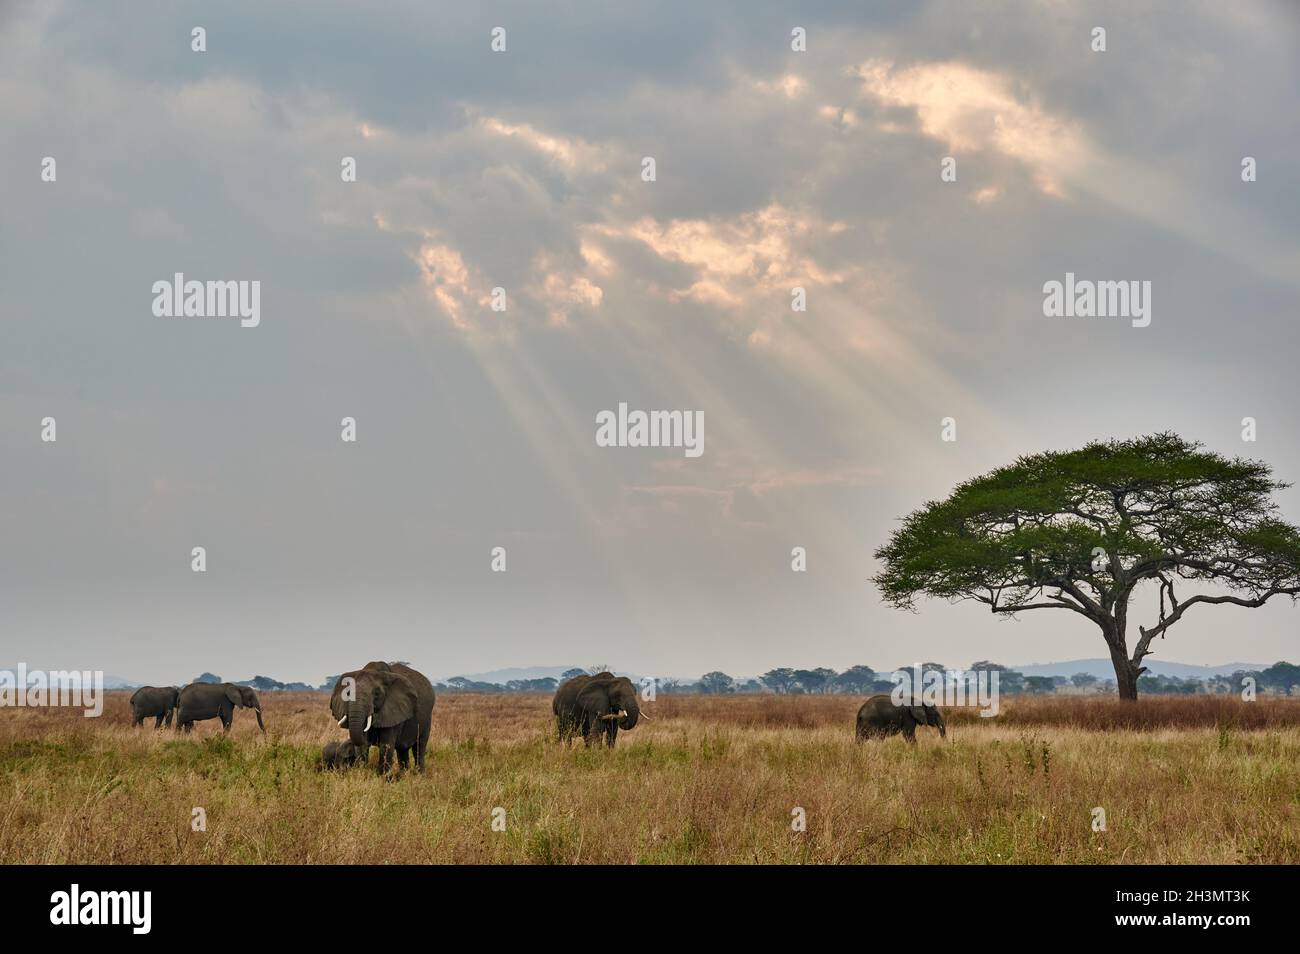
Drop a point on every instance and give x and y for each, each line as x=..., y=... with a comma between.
x=711, y=779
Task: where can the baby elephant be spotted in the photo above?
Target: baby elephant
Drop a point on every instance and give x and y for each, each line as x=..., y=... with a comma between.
x=340, y=755
x=880, y=716
x=157, y=701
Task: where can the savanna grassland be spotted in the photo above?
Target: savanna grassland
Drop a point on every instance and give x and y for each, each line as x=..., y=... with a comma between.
x=710, y=779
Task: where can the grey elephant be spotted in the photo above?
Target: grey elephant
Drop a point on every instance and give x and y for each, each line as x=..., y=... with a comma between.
x=215, y=700
x=881, y=716
x=156, y=701
x=596, y=706
x=340, y=755
x=390, y=706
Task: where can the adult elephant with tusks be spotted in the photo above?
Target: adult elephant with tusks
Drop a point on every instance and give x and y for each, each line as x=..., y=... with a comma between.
x=596, y=706
x=881, y=716
x=215, y=700
x=390, y=706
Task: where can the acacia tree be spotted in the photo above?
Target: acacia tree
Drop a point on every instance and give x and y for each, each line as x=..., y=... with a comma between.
x=1083, y=530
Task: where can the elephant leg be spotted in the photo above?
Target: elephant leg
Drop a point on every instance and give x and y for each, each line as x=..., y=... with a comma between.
x=168, y=721
x=157, y=722
x=909, y=733
x=612, y=734
x=387, y=746
x=404, y=758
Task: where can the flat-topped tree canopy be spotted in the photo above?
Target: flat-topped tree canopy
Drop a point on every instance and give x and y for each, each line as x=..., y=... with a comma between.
x=1081, y=530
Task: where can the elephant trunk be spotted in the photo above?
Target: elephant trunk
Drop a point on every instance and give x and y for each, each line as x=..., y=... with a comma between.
x=260, y=724
x=358, y=723
x=633, y=714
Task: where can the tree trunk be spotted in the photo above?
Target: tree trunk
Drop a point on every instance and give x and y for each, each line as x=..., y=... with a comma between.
x=1126, y=673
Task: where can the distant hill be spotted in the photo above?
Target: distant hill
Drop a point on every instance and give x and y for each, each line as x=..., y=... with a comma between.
x=1103, y=669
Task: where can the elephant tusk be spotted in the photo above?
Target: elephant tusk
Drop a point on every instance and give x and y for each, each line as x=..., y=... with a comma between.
x=644, y=716
x=609, y=717
x=367, y=728
x=343, y=722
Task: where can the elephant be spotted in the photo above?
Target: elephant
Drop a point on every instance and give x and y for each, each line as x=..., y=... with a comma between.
x=208, y=700
x=390, y=706
x=339, y=755
x=596, y=706
x=156, y=701
x=881, y=716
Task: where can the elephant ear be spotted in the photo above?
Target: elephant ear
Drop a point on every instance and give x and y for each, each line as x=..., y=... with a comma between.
x=918, y=713
x=399, y=702
x=622, y=689
x=234, y=695
x=134, y=694
x=339, y=708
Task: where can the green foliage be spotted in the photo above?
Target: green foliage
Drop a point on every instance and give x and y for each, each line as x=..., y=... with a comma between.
x=1082, y=528
x=1152, y=504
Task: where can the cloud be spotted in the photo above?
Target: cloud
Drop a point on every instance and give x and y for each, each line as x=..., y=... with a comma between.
x=574, y=155
x=443, y=271
x=733, y=261
x=970, y=109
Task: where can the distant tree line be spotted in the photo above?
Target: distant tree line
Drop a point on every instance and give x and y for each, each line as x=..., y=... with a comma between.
x=1279, y=678
x=267, y=684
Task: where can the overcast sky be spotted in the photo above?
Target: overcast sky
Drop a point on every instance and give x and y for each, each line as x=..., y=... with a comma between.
x=522, y=170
